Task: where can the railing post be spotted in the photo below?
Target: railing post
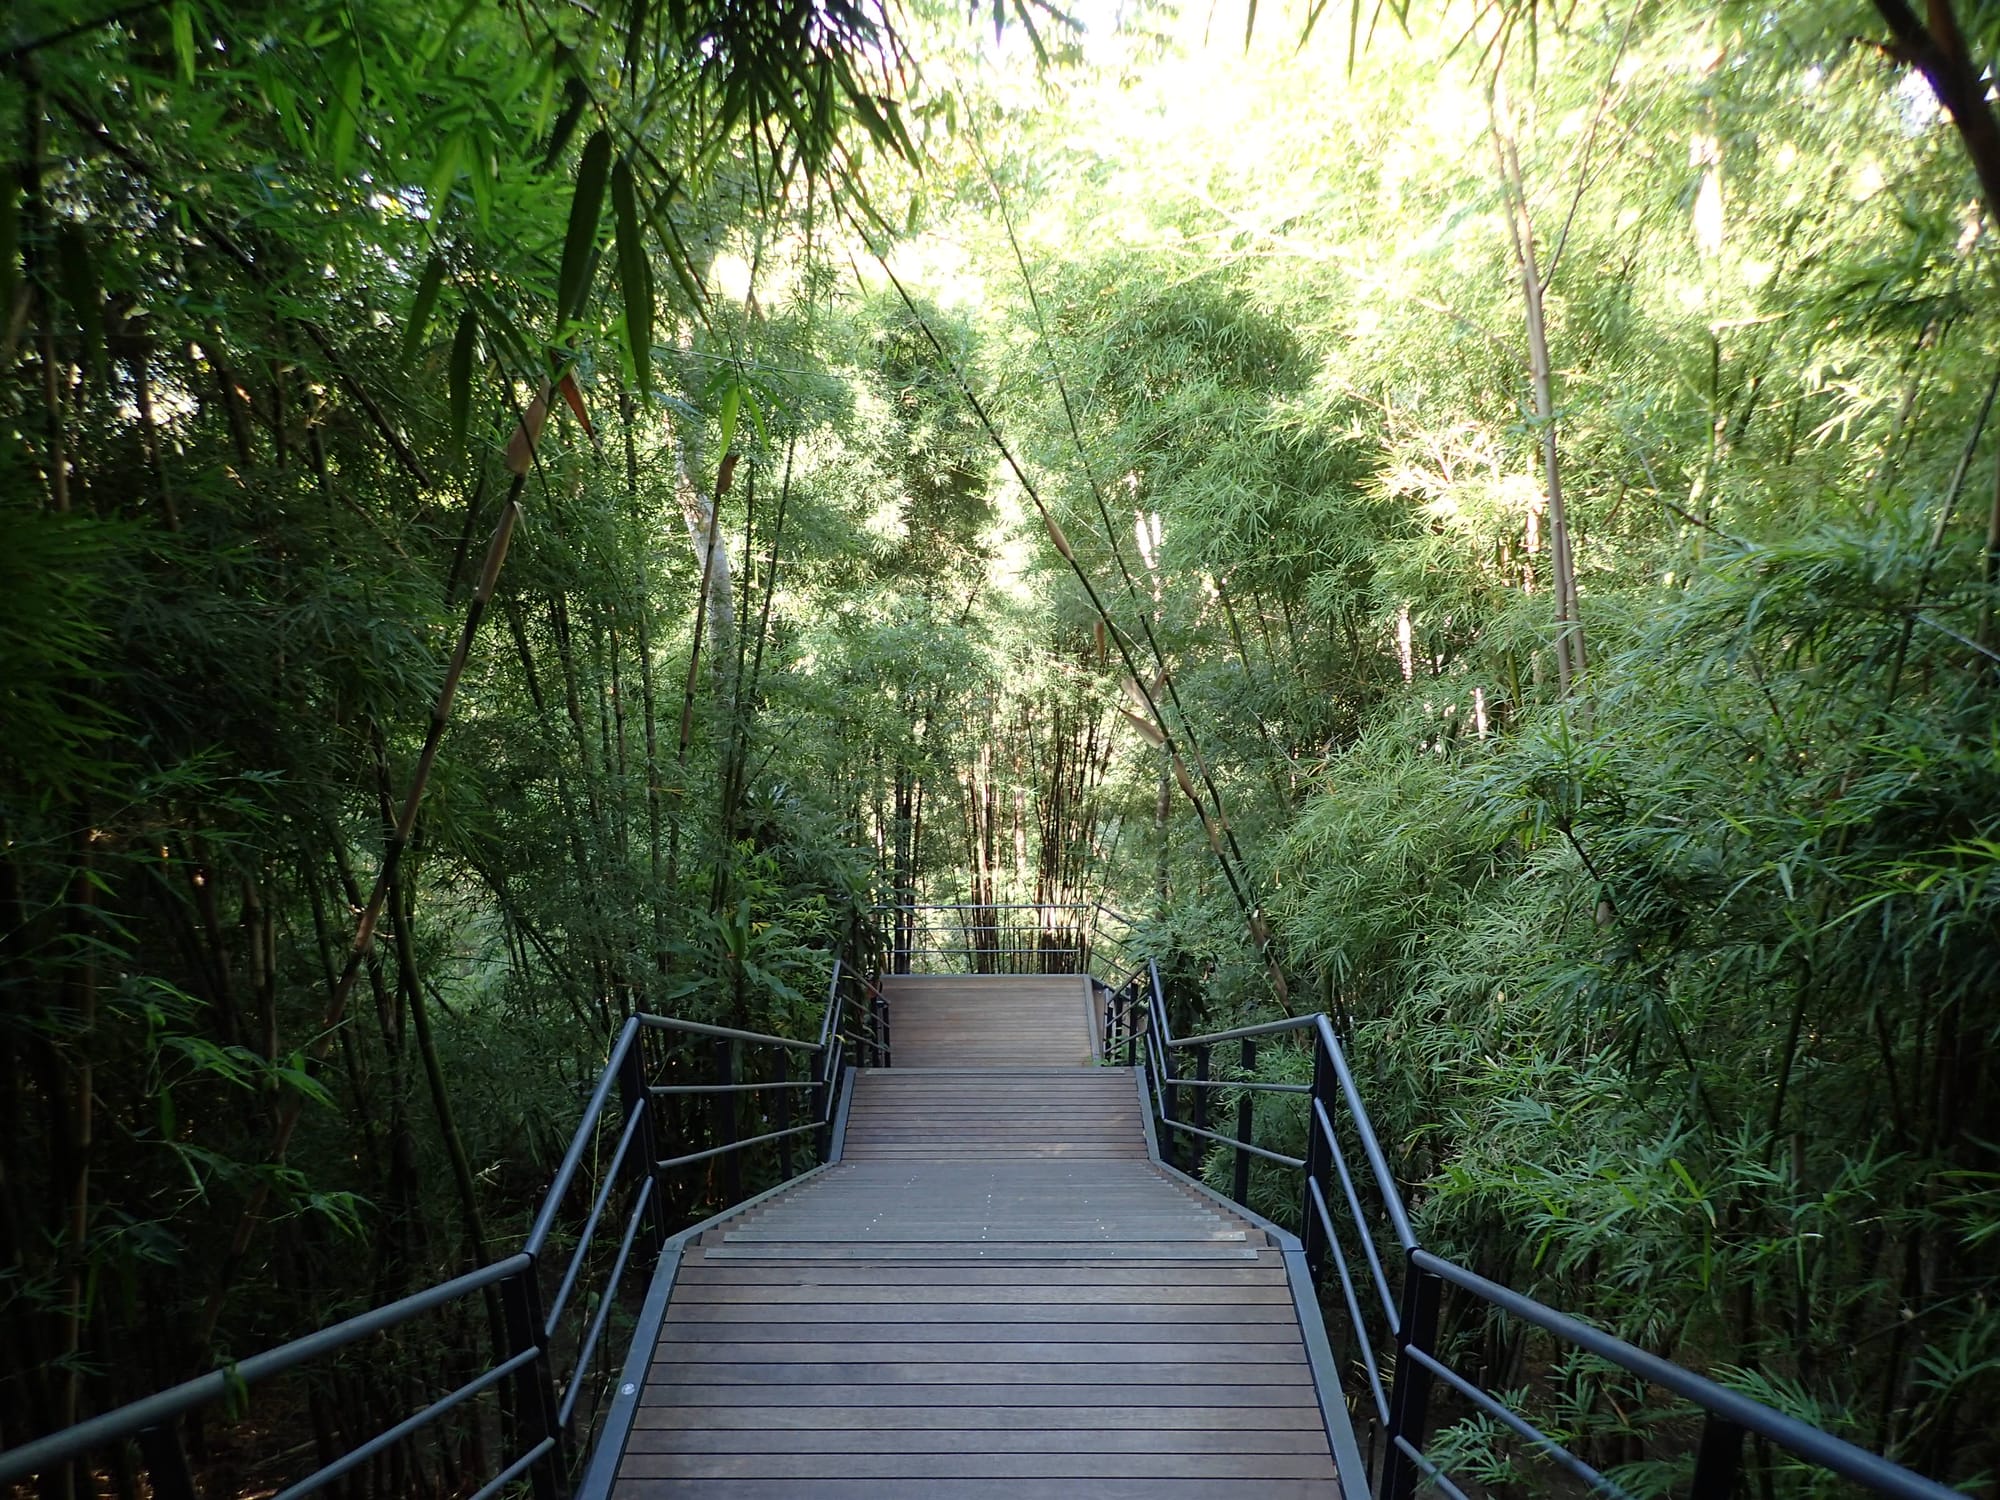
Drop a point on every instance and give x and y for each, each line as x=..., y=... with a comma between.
x=1718, y=1461
x=832, y=1063
x=1409, y=1399
x=1200, y=1095
x=633, y=1098
x=166, y=1463
x=1319, y=1161
x=1245, y=1121
x=535, y=1408
x=784, y=1116
x=726, y=1129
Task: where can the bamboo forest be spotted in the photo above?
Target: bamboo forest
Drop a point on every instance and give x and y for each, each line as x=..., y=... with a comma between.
x=574, y=581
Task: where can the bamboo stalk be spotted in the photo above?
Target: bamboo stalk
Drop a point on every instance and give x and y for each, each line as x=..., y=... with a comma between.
x=364, y=932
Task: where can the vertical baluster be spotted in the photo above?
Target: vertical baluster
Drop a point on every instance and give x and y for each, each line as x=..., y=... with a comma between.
x=166, y=1462
x=726, y=1130
x=1245, y=1120
x=645, y=1150
x=833, y=1065
x=535, y=1407
x=1718, y=1461
x=1319, y=1162
x=782, y=1113
x=1200, y=1099
x=1409, y=1398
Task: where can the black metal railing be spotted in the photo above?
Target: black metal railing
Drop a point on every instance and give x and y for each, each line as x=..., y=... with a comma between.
x=735, y=1097
x=1392, y=1290
x=1007, y=938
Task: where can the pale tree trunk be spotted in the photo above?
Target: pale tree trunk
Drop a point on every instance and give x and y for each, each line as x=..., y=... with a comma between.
x=700, y=512
x=1521, y=238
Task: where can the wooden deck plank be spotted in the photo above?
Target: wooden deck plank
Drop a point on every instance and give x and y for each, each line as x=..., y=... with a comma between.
x=768, y=1330
x=944, y=1313
x=1224, y=1437
x=1056, y=1423
x=1099, y=1373
x=767, y=1465
x=699, y=1288
x=1213, y=1393
x=1152, y=1359
x=893, y=1312
x=1117, y=1280
x=967, y=1489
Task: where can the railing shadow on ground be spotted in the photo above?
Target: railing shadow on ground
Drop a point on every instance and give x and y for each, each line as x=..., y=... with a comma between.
x=1392, y=1290
x=737, y=1098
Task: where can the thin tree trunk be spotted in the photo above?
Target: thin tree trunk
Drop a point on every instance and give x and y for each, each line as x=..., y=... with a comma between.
x=1935, y=46
x=1521, y=235
x=649, y=699
x=82, y=1001
x=1989, y=571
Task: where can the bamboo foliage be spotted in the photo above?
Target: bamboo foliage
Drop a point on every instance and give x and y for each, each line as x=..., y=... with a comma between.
x=1657, y=1030
x=317, y=897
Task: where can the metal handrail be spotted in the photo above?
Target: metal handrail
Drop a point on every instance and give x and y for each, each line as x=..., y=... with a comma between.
x=726, y=1033
x=727, y=1147
x=1137, y=1028
x=542, y=1418
x=566, y=1172
x=164, y=1407
x=1060, y=937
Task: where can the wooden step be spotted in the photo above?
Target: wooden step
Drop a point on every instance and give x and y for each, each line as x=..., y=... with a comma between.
x=1001, y=1020
x=994, y=1292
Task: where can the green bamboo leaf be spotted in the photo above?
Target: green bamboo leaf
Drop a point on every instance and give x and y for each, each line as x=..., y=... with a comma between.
x=756, y=415
x=545, y=103
x=461, y=377
x=285, y=109
x=580, y=242
x=732, y=397
x=871, y=117
x=346, y=115
x=575, y=97
x=180, y=19
x=443, y=41
x=635, y=274
x=514, y=346
x=679, y=261
x=481, y=173
x=635, y=40
x=444, y=174
x=422, y=306
x=893, y=112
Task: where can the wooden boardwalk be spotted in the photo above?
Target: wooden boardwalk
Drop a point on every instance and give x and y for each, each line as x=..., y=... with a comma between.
x=994, y=1292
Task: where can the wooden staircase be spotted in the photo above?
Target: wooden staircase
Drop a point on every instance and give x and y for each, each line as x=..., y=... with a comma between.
x=995, y=1291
